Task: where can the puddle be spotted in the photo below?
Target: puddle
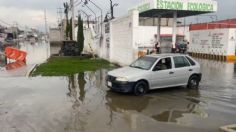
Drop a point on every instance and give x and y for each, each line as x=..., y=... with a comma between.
x=83, y=103
x=36, y=54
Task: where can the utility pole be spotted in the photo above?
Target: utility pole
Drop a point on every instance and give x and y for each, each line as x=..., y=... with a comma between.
x=60, y=22
x=73, y=18
x=112, y=8
x=45, y=19
x=112, y=12
x=100, y=11
x=16, y=33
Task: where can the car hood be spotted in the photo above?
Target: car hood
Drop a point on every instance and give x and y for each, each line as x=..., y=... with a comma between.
x=127, y=72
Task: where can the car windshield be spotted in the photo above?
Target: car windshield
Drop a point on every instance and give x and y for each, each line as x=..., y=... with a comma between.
x=144, y=63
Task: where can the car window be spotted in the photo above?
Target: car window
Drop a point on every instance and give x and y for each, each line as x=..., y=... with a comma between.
x=180, y=62
x=163, y=64
x=191, y=61
x=144, y=63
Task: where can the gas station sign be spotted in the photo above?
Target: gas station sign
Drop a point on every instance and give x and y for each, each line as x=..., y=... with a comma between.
x=187, y=5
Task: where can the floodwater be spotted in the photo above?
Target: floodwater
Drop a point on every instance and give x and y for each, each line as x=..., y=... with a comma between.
x=82, y=103
x=36, y=54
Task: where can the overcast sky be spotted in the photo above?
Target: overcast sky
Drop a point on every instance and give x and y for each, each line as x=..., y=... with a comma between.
x=31, y=12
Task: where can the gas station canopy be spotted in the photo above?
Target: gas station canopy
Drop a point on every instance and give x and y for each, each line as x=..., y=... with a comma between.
x=184, y=8
x=174, y=9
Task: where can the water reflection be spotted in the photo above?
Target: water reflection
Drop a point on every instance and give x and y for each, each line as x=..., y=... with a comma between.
x=119, y=103
x=86, y=91
x=82, y=83
x=36, y=54
x=15, y=65
x=82, y=102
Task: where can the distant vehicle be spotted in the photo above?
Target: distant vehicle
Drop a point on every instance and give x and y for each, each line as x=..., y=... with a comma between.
x=154, y=72
x=181, y=48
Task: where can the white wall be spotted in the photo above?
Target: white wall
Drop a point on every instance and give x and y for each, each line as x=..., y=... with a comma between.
x=213, y=41
x=55, y=35
x=122, y=44
x=231, y=42
x=146, y=34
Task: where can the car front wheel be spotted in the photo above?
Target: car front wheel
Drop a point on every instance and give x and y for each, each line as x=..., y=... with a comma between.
x=140, y=88
x=193, y=82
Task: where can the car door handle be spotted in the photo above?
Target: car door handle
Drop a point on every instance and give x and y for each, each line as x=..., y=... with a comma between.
x=171, y=73
x=190, y=70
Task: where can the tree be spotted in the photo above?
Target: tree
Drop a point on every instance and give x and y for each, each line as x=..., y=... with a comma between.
x=80, y=35
x=66, y=11
x=70, y=30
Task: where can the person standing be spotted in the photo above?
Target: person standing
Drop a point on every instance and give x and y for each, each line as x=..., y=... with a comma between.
x=156, y=44
x=157, y=47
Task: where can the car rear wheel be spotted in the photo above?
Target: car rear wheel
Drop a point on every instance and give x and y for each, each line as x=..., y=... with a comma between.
x=193, y=82
x=140, y=88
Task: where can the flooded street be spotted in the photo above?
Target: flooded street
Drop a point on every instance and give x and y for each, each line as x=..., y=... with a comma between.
x=82, y=103
x=36, y=54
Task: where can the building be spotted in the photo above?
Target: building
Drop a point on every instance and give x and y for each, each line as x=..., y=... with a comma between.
x=55, y=35
x=126, y=38
x=214, y=40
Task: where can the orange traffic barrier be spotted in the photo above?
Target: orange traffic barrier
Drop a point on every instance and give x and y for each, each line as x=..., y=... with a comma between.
x=15, y=54
x=15, y=65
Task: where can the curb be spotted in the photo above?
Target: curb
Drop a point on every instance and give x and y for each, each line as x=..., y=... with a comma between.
x=229, y=128
x=31, y=70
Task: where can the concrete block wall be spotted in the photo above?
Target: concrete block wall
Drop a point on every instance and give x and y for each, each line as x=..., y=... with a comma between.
x=122, y=42
x=55, y=35
x=146, y=34
x=213, y=41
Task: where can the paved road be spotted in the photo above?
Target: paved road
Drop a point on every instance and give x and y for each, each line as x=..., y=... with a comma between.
x=82, y=103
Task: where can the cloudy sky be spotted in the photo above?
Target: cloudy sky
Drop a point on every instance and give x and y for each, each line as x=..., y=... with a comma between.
x=31, y=12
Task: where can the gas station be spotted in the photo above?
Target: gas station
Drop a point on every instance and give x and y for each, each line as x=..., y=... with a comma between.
x=128, y=37
x=174, y=9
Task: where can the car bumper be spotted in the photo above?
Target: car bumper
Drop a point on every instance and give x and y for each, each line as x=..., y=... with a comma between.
x=124, y=87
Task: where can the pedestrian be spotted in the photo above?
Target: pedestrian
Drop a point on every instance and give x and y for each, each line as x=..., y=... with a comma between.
x=187, y=47
x=157, y=48
x=174, y=48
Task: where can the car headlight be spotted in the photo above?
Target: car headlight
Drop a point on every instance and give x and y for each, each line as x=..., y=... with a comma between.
x=122, y=79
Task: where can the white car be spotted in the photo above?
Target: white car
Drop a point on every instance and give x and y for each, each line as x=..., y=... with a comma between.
x=154, y=72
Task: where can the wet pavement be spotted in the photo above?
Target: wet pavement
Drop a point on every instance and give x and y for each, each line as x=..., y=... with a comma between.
x=36, y=54
x=82, y=103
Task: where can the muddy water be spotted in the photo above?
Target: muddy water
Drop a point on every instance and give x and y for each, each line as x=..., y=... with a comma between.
x=36, y=54
x=82, y=103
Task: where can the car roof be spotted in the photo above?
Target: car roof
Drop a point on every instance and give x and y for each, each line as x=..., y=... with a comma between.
x=165, y=55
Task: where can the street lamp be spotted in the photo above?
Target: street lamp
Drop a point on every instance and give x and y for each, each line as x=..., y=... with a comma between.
x=112, y=8
x=92, y=12
x=86, y=2
x=88, y=16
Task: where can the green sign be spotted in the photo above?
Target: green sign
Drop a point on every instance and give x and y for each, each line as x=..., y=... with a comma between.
x=200, y=7
x=173, y=5
x=184, y=5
